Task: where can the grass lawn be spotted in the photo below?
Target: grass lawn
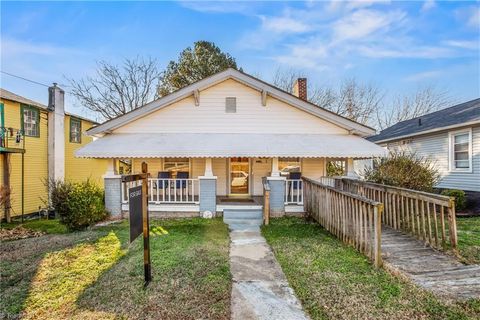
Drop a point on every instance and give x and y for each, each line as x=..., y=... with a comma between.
x=96, y=274
x=468, y=232
x=333, y=281
x=51, y=226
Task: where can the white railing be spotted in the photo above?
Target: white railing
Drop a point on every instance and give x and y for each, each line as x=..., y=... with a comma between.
x=167, y=190
x=328, y=181
x=294, y=191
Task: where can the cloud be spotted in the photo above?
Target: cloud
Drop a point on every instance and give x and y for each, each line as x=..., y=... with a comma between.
x=363, y=23
x=13, y=47
x=423, y=75
x=407, y=51
x=284, y=24
x=218, y=6
x=464, y=44
x=428, y=5
x=469, y=15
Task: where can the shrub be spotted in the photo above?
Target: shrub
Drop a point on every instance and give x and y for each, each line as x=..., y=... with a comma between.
x=460, y=198
x=78, y=204
x=404, y=170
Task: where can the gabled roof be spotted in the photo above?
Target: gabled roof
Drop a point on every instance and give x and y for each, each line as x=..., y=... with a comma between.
x=8, y=95
x=457, y=116
x=352, y=126
x=5, y=94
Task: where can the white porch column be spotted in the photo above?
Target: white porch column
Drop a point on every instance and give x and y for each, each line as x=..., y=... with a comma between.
x=113, y=189
x=349, y=170
x=208, y=167
x=275, y=171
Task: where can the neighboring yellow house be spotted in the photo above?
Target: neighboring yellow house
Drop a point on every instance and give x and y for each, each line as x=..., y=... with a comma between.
x=19, y=114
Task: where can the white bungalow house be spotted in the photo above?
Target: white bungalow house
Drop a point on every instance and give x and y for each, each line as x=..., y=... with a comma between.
x=211, y=145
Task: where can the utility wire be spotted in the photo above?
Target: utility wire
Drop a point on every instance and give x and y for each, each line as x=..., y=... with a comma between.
x=32, y=81
x=29, y=80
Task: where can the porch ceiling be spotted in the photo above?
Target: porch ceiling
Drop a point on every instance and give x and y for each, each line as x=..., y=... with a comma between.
x=221, y=145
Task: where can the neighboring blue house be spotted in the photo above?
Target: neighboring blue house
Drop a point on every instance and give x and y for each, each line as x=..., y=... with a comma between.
x=450, y=137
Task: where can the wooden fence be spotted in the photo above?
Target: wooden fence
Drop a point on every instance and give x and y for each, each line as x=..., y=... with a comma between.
x=425, y=215
x=266, y=201
x=354, y=219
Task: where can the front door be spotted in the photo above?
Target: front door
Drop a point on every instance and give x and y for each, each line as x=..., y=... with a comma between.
x=239, y=176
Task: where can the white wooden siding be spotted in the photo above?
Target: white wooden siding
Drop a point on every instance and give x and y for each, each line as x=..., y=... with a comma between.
x=219, y=168
x=210, y=115
x=435, y=146
x=313, y=168
x=261, y=167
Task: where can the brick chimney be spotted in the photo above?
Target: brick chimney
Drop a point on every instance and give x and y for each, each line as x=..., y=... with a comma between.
x=56, y=133
x=300, y=88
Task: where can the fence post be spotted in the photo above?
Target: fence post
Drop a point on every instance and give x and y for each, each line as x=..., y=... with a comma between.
x=377, y=215
x=266, y=207
x=452, y=225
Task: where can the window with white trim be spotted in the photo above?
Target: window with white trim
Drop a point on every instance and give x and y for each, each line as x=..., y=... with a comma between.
x=461, y=151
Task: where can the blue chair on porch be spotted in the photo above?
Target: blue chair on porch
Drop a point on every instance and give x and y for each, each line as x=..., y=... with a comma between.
x=182, y=184
x=295, y=184
x=164, y=175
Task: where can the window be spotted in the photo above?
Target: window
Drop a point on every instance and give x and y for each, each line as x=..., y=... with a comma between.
x=31, y=121
x=75, y=130
x=287, y=165
x=461, y=151
x=230, y=105
x=175, y=165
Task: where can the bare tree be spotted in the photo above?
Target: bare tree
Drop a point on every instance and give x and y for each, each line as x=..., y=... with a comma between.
x=353, y=100
x=116, y=90
x=424, y=100
x=358, y=102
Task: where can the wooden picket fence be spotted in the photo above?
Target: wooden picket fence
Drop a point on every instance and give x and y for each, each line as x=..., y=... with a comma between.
x=354, y=219
x=425, y=215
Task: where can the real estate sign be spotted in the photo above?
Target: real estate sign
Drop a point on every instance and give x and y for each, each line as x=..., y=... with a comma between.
x=135, y=201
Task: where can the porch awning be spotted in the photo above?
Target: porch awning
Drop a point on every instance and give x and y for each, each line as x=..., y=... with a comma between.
x=223, y=145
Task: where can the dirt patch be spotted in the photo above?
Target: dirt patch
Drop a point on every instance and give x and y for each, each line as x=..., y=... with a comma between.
x=19, y=233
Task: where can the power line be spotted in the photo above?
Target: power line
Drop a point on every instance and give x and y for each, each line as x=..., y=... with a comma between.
x=19, y=77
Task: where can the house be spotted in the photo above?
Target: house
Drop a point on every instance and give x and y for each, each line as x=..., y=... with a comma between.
x=217, y=143
x=51, y=136
x=449, y=137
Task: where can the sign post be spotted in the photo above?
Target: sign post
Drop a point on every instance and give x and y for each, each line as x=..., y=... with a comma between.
x=138, y=211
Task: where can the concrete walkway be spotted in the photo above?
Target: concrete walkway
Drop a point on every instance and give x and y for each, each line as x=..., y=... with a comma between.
x=429, y=268
x=260, y=289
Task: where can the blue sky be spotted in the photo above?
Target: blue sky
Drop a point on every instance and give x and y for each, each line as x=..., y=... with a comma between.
x=397, y=46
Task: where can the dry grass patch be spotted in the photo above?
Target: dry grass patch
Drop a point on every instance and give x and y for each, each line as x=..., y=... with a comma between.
x=333, y=281
x=97, y=275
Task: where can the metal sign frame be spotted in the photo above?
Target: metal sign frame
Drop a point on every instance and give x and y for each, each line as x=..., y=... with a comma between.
x=147, y=267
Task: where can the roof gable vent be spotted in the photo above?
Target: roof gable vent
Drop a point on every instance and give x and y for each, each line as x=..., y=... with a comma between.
x=230, y=104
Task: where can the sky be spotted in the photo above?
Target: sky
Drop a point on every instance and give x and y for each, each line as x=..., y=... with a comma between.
x=397, y=46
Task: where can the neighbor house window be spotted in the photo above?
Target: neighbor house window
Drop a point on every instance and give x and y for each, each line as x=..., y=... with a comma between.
x=287, y=165
x=31, y=121
x=75, y=130
x=175, y=165
x=461, y=151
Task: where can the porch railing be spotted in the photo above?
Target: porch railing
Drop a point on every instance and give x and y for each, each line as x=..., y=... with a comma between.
x=427, y=216
x=294, y=191
x=167, y=190
x=353, y=219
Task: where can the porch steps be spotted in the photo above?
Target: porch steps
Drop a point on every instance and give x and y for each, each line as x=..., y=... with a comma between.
x=243, y=219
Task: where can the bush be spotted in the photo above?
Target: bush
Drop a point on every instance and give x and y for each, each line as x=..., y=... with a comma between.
x=404, y=170
x=460, y=198
x=78, y=204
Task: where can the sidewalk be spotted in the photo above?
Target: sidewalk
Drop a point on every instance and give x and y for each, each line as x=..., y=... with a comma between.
x=260, y=289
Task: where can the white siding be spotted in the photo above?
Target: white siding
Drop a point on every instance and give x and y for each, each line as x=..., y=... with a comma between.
x=261, y=167
x=435, y=147
x=313, y=168
x=210, y=115
x=219, y=167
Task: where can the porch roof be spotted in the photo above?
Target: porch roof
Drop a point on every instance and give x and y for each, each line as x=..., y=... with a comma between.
x=223, y=145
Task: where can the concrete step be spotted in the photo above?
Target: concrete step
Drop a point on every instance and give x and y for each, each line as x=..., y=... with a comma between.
x=243, y=227
x=242, y=214
x=256, y=222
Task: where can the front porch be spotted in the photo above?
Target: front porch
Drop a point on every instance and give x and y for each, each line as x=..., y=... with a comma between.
x=197, y=185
